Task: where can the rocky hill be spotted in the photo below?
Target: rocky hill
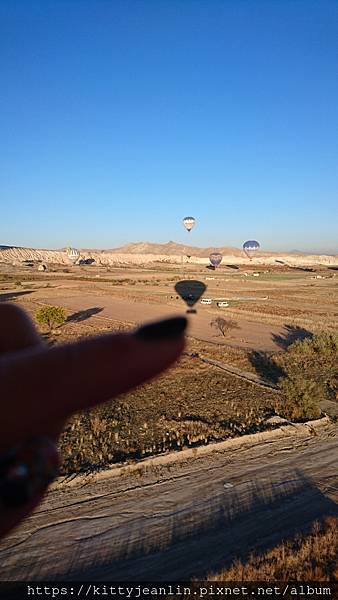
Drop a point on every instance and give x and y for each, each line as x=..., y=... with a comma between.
x=173, y=249
x=145, y=252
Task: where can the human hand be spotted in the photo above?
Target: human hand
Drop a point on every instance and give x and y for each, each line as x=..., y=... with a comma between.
x=41, y=387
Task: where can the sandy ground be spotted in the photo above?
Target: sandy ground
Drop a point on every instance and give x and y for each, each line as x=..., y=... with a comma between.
x=262, y=306
x=249, y=335
x=181, y=519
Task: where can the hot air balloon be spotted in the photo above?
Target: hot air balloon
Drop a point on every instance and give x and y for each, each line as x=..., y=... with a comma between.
x=73, y=254
x=215, y=259
x=189, y=223
x=250, y=248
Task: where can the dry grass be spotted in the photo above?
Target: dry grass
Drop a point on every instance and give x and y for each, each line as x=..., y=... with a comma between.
x=235, y=356
x=305, y=558
x=192, y=404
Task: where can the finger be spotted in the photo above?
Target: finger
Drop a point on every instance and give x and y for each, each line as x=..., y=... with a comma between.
x=46, y=385
x=18, y=333
x=17, y=330
x=25, y=473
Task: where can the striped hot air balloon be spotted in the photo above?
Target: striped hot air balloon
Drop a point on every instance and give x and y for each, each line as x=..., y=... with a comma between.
x=250, y=248
x=215, y=259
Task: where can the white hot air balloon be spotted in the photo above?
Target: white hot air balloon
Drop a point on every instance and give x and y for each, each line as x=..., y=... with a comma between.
x=189, y=223
x=73, y=254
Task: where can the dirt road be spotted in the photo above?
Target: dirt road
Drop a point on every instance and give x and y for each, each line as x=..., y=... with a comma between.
x=250, y=335
x=184, y=518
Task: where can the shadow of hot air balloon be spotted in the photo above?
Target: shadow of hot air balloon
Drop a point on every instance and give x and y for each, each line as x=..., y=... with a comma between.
x=190, y=291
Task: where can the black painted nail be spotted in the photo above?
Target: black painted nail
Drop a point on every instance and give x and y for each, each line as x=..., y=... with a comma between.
x=26, y=471
x=162, y=330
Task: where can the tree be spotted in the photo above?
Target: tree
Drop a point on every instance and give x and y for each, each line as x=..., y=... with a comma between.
x=50, y=316
x=224, y=326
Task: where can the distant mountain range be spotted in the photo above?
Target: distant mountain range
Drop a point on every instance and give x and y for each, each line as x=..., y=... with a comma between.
x=146, y=252
x=173, y=249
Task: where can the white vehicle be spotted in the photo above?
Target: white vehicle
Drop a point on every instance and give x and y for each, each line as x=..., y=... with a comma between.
x=222, y=304
x=206, y=301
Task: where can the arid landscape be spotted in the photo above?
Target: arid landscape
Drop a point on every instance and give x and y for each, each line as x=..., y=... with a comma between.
x=152, y=480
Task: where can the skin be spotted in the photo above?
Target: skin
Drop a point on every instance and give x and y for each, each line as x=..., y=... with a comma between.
x=44, y=386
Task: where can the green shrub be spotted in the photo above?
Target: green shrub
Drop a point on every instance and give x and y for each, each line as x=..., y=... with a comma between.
x=50, y=316
x=311, y=376
x=323, y=344
x=301, y=398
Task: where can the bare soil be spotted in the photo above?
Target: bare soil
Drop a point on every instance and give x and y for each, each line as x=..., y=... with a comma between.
x=183, y=519
x=263, y=307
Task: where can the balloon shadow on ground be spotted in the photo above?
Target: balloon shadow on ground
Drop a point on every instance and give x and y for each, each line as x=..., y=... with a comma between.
x=8, y=297
x=265, y=366
x=299, y=268
x=190, y=291
x=205, y=534
x=232, y=267
x=305, y=269
x=291, y=334
x=82, y=315
x=264, y=362
x=295, y=267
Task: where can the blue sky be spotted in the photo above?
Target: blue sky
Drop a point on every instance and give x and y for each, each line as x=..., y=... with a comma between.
x=119, y=118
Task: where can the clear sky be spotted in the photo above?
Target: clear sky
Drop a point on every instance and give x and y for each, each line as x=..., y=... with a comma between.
x=120, y=117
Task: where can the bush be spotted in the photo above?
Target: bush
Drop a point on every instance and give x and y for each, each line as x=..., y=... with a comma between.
x=50, y=316
x=302, y=398
x=311, y=376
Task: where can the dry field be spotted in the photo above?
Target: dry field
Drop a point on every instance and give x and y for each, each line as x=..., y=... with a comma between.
x=212, y=508
x=191, y=405
x=195, y=403
x=262, y=305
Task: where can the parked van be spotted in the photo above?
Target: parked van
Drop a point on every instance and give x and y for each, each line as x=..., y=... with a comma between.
x=222, y=304
x=206, y=301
